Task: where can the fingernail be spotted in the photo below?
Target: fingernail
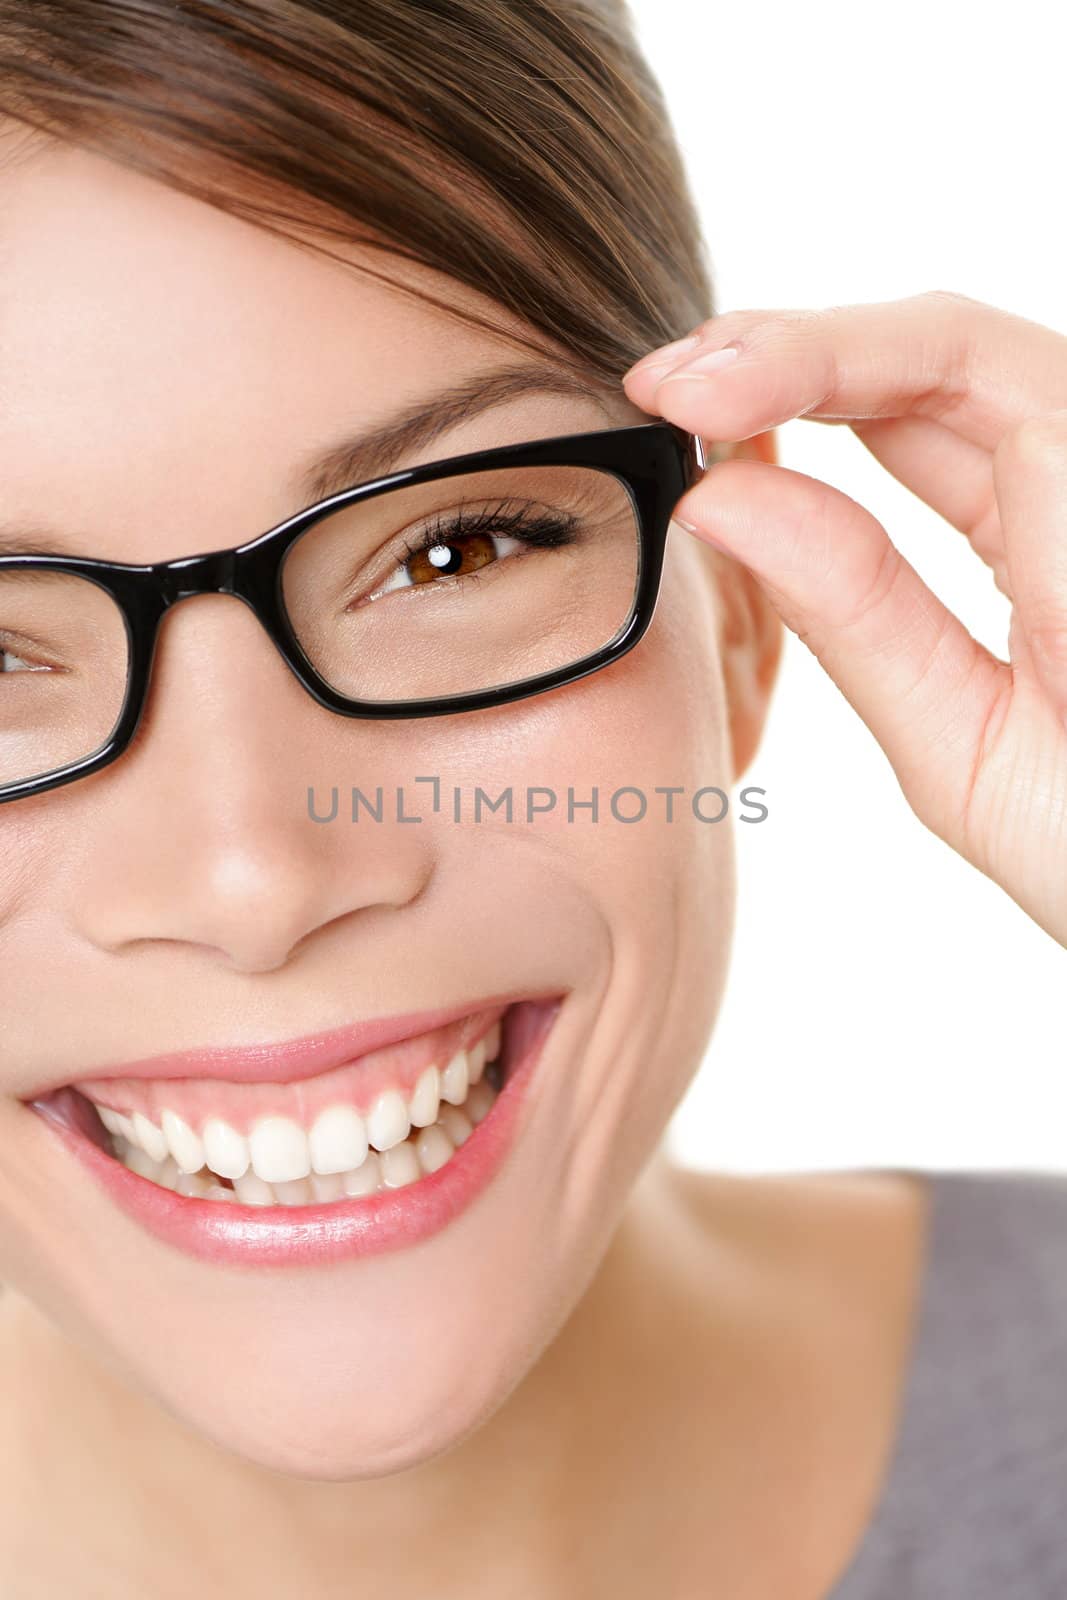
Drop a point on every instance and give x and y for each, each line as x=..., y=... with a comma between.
x=666, y=355
x=712, y=362
x=704, y=536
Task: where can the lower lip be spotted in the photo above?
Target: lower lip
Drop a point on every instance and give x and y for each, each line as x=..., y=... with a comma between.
x=293, y=1236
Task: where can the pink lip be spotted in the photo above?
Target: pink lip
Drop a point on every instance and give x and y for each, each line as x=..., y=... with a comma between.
x=289, y=1060
x=238, y=1235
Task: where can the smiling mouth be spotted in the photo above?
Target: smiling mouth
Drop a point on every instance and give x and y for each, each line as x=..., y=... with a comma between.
x=380, y=1123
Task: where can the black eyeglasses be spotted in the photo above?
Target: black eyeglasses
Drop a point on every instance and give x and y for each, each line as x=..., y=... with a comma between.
x=449, y=587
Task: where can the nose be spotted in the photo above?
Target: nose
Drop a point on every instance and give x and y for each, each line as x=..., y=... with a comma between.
x=202, y=833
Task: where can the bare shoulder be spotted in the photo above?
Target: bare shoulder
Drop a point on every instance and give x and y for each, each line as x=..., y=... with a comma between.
x=969, y=1227
x=823, y=1273
x=882, y=1249
x=931, y=1309
x=799, y=1294
x=872, y=1222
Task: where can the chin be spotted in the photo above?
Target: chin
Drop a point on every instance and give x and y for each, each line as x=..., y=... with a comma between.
x=322, y=1338
x=330, y=1422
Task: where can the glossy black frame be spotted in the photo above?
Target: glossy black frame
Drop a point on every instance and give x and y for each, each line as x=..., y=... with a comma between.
x=656, y=462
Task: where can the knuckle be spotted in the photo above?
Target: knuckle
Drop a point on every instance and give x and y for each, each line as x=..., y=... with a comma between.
x=712, y=326
x=950, y=297
x=877, y=586
x=1033, y=441
x=1047, y=637
x=768, y=324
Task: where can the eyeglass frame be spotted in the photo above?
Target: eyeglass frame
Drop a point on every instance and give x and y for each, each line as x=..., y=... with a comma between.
x=655, y=461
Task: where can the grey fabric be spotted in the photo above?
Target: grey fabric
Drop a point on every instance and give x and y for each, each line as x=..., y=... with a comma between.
x=974, y=1505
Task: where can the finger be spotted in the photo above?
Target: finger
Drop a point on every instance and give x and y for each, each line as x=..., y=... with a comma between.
x=939, y=355
x=1030, y=476
x=953, y=476
x=923, y=685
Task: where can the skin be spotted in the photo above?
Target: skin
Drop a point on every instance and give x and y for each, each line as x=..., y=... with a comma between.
x=697, y=1352
x=966, y=404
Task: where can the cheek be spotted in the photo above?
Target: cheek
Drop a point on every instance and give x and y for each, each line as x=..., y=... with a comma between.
x=643, y=908
x=653, y=721
x=632, y=918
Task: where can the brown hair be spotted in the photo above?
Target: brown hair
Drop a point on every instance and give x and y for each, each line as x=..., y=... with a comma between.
x=521, y=147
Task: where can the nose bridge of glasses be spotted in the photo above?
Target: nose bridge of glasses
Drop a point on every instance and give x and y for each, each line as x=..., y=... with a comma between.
x=209, y=573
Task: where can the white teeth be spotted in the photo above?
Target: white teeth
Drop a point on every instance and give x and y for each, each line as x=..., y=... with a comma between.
x=139, y=1161
x=338, y=1140
x=426, y=1098
x=125, y=1128
x=455, y=1079
x=252, y=1191
x=326, y=1185
x=192, y=1184
x=345, y=1155
x=456, y=1124
x=225, y=1150
x=433, y=1147
x=388, y=1121
x=479, y=1102
x=295, y=1193
x=167, y=1173
x=149, y=1137
x=279, y=1149
x=365, y=1179
x=185, y=1145
x=476, y=1061
x=400, y=1165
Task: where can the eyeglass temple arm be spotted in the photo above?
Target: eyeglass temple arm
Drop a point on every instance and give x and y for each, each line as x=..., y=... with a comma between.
x=697, y=457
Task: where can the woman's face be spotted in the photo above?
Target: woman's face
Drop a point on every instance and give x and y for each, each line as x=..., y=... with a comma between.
x=166, y=373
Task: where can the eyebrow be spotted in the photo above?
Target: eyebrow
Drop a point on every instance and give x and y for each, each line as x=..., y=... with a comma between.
x=372, y=454
x=369, y=455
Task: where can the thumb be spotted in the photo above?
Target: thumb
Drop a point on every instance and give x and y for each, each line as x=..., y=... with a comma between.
x=922, y=684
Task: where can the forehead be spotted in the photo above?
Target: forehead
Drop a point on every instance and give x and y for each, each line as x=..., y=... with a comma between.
x=163, y=362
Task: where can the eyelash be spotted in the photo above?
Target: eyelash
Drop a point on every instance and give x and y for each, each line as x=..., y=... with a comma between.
x=546, y=531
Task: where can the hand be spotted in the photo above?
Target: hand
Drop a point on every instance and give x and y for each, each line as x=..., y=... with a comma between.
x=966, y=405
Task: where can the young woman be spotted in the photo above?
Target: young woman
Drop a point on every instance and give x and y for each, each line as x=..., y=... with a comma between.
x=340, y=1252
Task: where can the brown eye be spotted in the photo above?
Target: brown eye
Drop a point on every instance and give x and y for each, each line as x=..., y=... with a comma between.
x=451, y=559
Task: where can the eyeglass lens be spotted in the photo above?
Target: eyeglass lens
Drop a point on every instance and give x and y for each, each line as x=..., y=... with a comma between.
x=444, y=588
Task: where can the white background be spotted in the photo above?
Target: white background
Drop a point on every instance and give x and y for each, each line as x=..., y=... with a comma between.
x=887, y=1005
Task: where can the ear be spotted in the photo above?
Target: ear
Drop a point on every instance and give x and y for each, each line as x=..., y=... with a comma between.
x=751, y=631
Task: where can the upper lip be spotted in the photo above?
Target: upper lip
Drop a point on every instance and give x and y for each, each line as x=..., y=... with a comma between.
x=290, y=1059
